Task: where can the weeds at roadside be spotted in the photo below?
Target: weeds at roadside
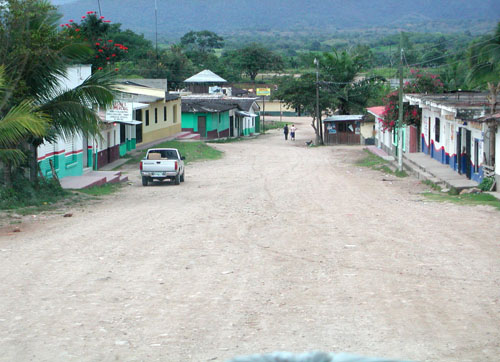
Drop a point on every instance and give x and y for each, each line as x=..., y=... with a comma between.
x=453, y=196
x=378, y=163
x=102, y=190
x=466, y=199
x=269, y=125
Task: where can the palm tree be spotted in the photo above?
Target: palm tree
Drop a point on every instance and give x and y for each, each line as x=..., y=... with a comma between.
x=18, y=124
x=485, y=66
x=36, y=56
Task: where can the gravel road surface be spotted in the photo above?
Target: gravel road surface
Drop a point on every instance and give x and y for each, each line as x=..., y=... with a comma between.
x=277, y=246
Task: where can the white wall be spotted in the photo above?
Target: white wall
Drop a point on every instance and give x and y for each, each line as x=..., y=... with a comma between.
x=497, y=156
x=75, y=76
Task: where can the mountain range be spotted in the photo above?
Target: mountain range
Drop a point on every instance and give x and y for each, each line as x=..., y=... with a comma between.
x=222, y=16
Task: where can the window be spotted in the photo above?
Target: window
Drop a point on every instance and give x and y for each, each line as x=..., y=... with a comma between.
x=437, y=129
x=147, y=117
x=175, y=113
x=165, y=114
x=156, y=115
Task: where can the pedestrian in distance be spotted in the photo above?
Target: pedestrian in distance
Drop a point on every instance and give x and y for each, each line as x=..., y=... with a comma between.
x=285, y=131
x=292, y=132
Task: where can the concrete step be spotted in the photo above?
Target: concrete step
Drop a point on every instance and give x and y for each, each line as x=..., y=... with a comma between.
x=192, y=136
x=123, y=178
x=182, y=134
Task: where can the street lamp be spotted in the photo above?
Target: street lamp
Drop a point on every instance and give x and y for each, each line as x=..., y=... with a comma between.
x=318, y=115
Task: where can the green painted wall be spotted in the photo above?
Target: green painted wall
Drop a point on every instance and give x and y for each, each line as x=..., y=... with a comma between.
x=123, y=149
x=190, y=120
x=64, y=165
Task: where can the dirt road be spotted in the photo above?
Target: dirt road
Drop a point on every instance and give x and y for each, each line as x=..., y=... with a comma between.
x=276, y=246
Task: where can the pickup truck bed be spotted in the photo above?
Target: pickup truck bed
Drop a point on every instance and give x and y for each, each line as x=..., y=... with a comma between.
x=162, y=164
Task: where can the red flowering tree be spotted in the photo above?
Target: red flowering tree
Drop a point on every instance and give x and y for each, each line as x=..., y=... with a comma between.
x=95, y=30
x=422, y=83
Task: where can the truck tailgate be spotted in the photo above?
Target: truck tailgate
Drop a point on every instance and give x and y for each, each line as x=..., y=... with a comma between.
x=158, y=165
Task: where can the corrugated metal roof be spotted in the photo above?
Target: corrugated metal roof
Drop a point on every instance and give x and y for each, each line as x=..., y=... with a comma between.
x=377, y=111
x=344, y=117
x=205, y=76
x=157, y=94
x=194, y=104
x=145, y=82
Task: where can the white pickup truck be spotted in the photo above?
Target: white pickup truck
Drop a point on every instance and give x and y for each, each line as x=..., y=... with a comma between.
x=162, y=164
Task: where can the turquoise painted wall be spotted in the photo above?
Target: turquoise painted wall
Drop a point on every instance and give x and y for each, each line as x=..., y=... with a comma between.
x=190, y=120
x=64, y=165
x=123, y=149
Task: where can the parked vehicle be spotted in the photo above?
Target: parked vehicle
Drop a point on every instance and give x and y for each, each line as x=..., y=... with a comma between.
x=162, y=164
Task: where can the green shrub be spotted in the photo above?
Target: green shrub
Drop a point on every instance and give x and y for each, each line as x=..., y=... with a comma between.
x=24, y=193
x=486, y=184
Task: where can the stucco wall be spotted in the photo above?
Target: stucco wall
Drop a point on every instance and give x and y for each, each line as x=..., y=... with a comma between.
x=161, y=128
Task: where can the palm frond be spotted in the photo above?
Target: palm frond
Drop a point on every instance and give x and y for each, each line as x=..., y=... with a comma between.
x=12, y=156
x=21, y=122
x=71, y=110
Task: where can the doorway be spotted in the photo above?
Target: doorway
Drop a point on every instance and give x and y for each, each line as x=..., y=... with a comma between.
x=231, y=126
x=468, y=168
x=202, y=126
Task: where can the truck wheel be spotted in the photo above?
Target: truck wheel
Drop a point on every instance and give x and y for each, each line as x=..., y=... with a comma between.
x=182, y=176
x=177, y=180
x=145, y=181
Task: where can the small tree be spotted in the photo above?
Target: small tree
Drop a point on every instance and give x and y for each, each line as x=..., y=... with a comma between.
x=96, y=31
x=423, y=83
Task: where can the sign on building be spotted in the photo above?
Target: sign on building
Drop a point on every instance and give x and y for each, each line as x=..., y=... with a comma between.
x=119, y=112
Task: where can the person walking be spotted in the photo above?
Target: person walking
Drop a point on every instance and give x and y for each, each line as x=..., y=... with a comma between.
x=285, y=131
x=292, y=132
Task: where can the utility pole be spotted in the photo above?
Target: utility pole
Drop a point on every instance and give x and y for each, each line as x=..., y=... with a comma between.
x=263, y=114
x=319, y=133
x=99, y=5
x=400, y=116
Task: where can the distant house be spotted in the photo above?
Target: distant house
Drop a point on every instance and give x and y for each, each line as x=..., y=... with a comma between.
x=205, y=82
x=453, y=133
x=216, y=117
x=348, y=129
x=387, y=139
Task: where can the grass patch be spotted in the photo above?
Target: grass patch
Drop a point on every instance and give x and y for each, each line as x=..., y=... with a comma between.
x=193, y=151
x=268, y=125
x=467, y=199
x=432, y=185
x=102, y=190
x=378, y=163
x=229, y=140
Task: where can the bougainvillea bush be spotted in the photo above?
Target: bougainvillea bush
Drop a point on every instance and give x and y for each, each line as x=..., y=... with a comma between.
x=94, y=30
x=422, y=83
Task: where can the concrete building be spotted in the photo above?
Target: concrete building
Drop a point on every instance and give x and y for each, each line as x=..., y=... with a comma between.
x=451, y=130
